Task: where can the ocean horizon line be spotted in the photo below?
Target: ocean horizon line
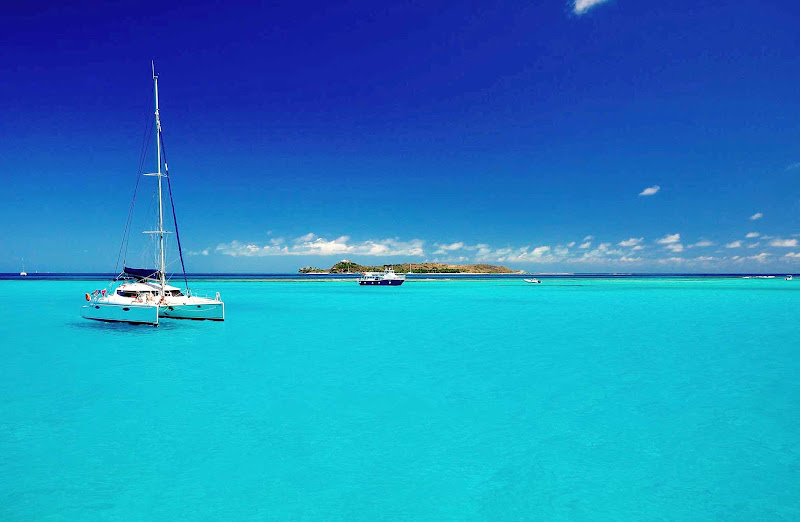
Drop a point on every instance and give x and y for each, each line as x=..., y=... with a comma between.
x=439, y=275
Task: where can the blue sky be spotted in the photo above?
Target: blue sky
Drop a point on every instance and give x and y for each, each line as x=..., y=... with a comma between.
x=584, y=135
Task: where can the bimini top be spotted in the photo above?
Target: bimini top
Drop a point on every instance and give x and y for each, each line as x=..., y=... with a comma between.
x=142, y=273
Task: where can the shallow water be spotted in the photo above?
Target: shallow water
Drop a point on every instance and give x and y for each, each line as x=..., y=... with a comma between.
x=589, y=399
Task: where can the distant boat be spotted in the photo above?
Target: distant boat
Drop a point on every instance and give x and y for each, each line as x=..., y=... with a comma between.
x=788, y=277
x=386, y=278
x=23, y=273
x=532, y=280
x=145, y=296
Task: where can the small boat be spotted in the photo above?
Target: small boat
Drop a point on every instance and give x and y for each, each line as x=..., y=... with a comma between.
x=385, y=278
x=788, y=277
x=532, y=280
x=144, y=296
x=23, y=273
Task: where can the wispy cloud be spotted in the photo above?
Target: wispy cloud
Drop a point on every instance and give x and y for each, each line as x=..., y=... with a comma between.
x=649, y=191
x=668, y=239
x=674, y=247
x=631, y=242
x=585, y=245
x=734, y=244
x=778, y=242
x=702, y=243
x=672, y=260
x=751, y=235
x=757, y=215
x=581, y=6
x=793, y=166
x=443, y=249
x=311, y=245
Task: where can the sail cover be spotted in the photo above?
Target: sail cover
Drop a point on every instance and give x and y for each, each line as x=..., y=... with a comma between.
x=142, y=273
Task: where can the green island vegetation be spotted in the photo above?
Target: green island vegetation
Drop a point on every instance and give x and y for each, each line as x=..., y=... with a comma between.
x=349, y=267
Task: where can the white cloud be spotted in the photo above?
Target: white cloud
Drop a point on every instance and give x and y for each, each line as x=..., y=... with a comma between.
x=669, y=238
x=581, y=6
x=783, y=242
x=671, y=260
x=704, y=258
x=757, y=215
x=571, y=244
x=311, y=245
x=702, y=243
x=793, y=255
x=638, y=247
x=443, y=249
x=734, y=244
x=649, y=191
x=322, y=247
x=631, y=242
x=585, y=245
x=761, y=258
x=751, y=235
x=303, y=239
x=674, y=247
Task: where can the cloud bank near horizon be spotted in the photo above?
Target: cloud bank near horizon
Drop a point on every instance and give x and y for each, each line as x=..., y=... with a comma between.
x=633, y=251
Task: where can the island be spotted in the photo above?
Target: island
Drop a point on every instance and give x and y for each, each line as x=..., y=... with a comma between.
x=349, y=267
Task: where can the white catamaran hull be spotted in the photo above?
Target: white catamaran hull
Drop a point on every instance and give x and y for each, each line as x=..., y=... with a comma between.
x=126, y=313
x=203, y=310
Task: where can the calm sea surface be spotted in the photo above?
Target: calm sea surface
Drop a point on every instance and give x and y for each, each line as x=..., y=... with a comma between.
x=576, y=399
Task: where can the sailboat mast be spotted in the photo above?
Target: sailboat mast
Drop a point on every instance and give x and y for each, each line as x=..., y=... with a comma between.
x=159, y=175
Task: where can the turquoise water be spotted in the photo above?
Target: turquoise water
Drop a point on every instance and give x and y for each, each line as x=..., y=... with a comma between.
x=628, y=399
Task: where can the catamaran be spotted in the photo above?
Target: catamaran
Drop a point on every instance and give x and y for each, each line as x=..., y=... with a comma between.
x=142, y=295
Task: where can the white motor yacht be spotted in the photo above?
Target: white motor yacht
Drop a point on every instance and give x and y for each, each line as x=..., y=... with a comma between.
x=387, y=278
